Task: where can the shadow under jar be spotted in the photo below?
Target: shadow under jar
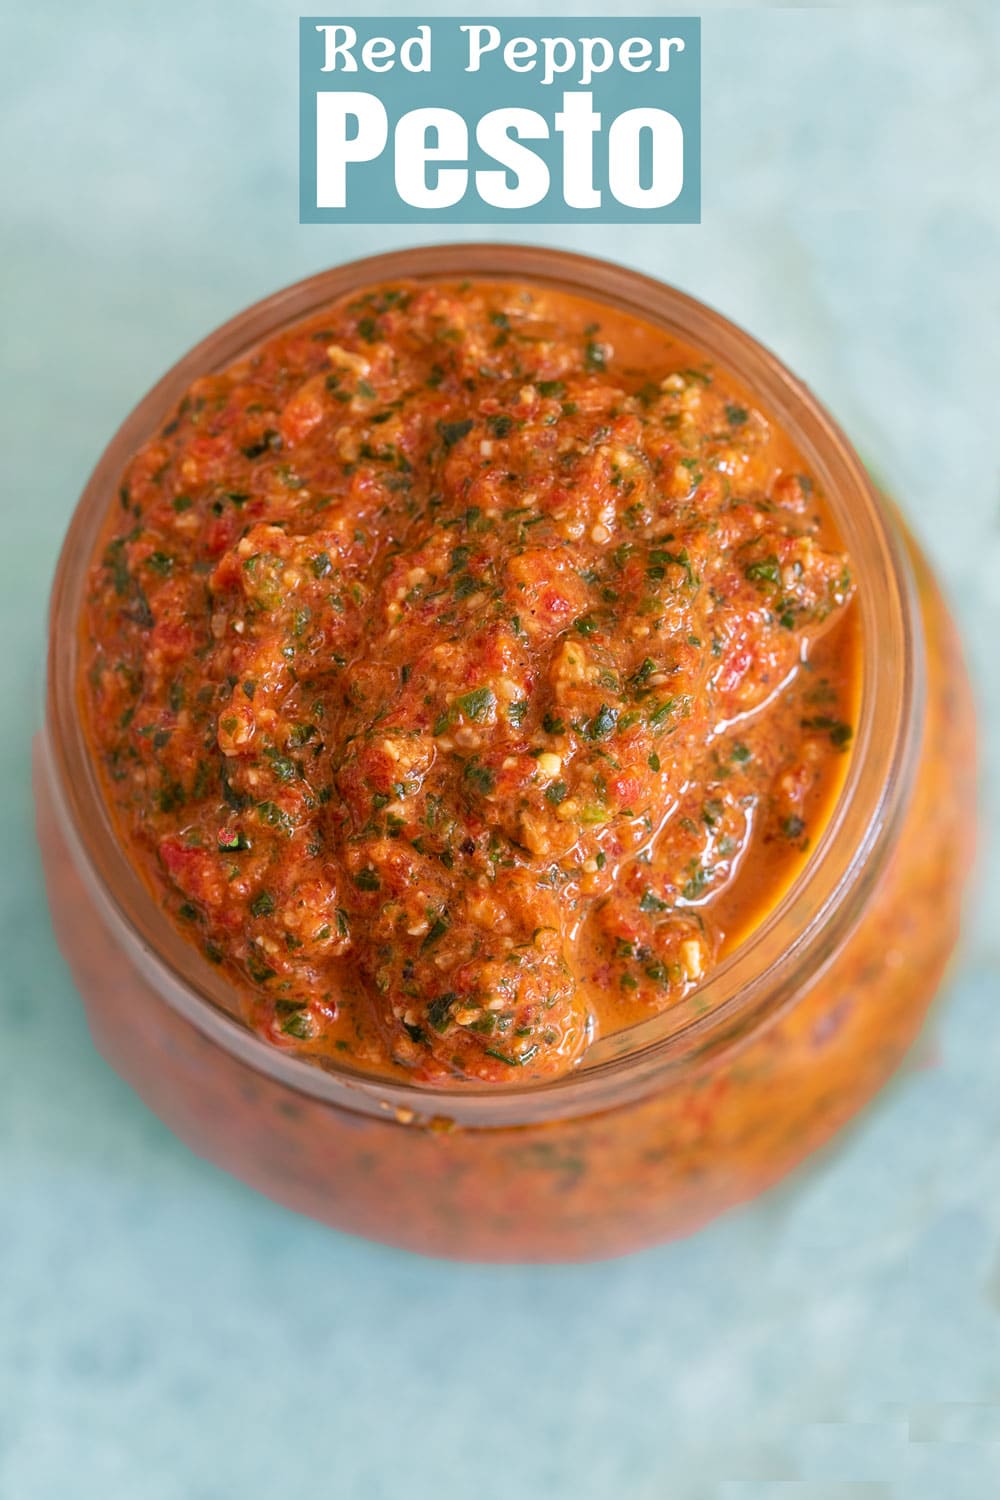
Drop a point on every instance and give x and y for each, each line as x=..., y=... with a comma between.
x=664, y=1124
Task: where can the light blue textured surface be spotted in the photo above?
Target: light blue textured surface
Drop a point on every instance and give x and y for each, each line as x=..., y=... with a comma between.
x=167, y=1335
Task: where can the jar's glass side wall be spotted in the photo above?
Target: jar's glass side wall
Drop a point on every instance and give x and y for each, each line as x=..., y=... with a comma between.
x=604, y=1184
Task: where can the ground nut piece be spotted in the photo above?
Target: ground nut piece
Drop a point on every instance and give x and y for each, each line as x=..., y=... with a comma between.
x=692, y=954
x=346, y=359
x=305, y=411
x=570, y=665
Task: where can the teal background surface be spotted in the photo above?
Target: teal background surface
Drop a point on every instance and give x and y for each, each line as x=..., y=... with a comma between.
x=167, y=1335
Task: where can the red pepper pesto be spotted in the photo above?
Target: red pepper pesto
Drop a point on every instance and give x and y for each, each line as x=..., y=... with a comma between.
x=471, y=666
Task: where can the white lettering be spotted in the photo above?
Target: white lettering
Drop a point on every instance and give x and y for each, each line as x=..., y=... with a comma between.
x=591, y=66
x=333, y=148
x=578, y=122
x=334, y=48
x=558, y=56
x=482, y=39
x=592, y=55
x=419, y=44
x=378, y=54
x=431, y=145
x=519, y=54
x=413, y=152
x=635, y=54
x=667, y=45
x=493, y=135
x=624, y=139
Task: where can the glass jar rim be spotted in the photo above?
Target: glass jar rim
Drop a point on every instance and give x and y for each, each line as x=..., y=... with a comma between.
x=766, y=971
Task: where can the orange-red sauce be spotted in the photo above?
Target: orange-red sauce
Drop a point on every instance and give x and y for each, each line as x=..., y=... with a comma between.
x=470, y=667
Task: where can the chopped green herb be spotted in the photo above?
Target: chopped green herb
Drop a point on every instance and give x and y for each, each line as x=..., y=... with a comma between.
x=481, y=777
x=767, y=570
x=439, y=1011
x=269, y=441
x=595, y=356
x=840, y=733
x=436, y=931
x=478, y=704
x=602, y=724
x=258, y=968
x=298, y=1025
x=513, y=1060
x=453, y=432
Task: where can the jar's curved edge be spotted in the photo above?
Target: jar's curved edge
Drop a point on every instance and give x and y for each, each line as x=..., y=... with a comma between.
x=803, y=932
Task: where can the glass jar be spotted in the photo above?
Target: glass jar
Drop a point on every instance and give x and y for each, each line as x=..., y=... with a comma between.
x=665, y=1125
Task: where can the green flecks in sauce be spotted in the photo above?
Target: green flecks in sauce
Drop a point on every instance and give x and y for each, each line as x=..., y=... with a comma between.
x=467, y=668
